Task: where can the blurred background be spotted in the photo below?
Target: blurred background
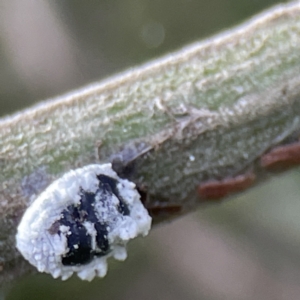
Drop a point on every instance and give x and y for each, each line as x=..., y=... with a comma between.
x=245, y=248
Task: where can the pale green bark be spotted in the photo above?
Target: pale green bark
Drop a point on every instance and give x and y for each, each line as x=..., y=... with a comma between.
x=205, y=112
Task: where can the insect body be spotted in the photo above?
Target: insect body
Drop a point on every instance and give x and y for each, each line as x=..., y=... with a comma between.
x=80, y=220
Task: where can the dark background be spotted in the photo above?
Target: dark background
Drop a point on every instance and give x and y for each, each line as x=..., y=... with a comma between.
x=246, y=248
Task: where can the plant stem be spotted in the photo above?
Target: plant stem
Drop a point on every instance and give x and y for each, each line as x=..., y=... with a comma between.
x=208, y=111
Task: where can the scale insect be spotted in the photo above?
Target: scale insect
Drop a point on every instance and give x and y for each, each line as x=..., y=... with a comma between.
x=80, y=220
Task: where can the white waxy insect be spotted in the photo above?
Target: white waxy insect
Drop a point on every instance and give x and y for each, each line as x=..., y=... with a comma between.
x=80, y=220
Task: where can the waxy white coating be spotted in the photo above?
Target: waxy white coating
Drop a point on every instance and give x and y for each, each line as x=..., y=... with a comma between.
x=44, y=250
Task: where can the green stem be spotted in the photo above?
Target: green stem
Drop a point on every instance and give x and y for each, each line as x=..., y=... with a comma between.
x=205, y=112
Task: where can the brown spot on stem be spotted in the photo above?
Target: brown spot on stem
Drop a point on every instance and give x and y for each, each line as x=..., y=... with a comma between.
x=282, y=157
x=214, y=189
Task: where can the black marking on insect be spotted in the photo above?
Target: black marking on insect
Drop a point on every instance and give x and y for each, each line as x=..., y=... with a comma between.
x=78, y=238
x=110, y=185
